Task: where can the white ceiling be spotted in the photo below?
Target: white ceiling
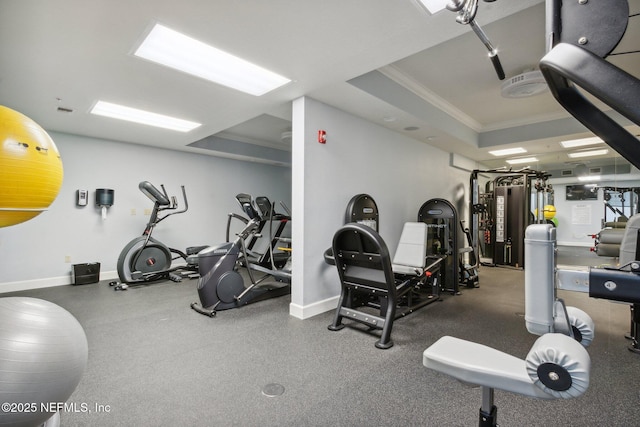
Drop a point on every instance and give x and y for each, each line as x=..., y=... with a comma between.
x=386, y=61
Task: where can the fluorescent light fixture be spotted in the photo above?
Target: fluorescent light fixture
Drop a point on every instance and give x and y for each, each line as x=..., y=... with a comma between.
x=181, y=52
x=121, y=112
x=590, y=178
x=522, y=160
x=433, y=6
x=573, y=143
x=508, y=151
x=589, y=153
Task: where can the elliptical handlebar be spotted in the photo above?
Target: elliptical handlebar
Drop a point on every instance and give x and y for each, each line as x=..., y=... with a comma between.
x=230, y=217
x=161, y=202
x=174, y=201
x=260, y=211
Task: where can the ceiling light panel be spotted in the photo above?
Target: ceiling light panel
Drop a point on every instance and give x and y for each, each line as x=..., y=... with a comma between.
x=581, y=142
x=589, y=153
x=522, y=160
x=508, y=151
x=181, y=52
x=135, y=115
x=433, y=6
x=590, y=178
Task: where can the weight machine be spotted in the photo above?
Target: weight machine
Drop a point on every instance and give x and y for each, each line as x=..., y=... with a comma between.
x=503, y=211
x=581, y=34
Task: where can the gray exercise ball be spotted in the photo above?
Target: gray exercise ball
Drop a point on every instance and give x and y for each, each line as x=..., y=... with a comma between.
x=43, y=354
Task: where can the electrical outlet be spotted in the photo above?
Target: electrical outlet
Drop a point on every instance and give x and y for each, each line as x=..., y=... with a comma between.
x=133, y=211
x=147, y=212
x=67, y=258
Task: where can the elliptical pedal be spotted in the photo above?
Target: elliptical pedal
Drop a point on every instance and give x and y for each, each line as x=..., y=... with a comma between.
x=175, y=277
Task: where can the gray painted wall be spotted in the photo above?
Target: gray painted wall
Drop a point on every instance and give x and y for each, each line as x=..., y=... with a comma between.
x=35, y=251
x=400, y=173
x=359, y=157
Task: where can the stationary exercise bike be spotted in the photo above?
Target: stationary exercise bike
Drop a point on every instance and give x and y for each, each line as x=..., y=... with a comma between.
x=145, y=259
x=221, y=286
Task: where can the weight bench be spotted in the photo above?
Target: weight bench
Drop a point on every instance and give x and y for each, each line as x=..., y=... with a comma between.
x=369, y=278
x=557, y=366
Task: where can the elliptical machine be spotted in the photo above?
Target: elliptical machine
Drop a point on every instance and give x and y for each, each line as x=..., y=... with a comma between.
x=220, y=286
x=145, y=259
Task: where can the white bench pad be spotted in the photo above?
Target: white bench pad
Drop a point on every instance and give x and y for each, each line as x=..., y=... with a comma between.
x=488, y=367
x=478, y=364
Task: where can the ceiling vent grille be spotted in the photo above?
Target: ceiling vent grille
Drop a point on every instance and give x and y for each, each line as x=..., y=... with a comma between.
x=567, y=172
x=526, y=84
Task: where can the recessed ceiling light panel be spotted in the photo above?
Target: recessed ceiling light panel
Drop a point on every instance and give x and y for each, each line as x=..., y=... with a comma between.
x=508, y=151
x=522, y=160
x=135, y=115
x=181, y=52
x=432, y=6
x=589, y=153
x=581, y=142
x=590, y=178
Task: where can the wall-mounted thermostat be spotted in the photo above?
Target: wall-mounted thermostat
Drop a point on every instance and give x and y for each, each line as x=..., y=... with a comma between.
x=82, y=197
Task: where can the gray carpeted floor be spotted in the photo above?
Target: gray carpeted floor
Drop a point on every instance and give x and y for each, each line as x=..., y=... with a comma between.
x=155, y=362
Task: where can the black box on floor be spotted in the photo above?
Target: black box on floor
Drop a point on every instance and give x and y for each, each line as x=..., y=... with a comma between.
x=82, y=274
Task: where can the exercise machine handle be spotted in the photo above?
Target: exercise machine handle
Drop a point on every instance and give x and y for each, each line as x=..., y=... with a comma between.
x=186, y=202
x=466, y=10
x=230, y=217
x=174, y=204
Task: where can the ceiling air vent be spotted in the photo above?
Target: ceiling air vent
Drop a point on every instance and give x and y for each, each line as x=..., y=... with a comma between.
x=595, y=171
x=286, y=137
x=567, y=172
x=526, y=84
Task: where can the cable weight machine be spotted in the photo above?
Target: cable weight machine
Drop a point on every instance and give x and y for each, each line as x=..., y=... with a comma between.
x=503, y=211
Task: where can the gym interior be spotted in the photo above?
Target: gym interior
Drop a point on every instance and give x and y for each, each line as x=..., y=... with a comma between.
x=114, y=244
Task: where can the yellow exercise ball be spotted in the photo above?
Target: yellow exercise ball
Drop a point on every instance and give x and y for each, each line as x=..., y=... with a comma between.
x=549, y=211
x=30, y=168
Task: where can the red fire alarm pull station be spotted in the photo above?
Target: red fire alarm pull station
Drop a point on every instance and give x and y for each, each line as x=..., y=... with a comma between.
x=322, y=136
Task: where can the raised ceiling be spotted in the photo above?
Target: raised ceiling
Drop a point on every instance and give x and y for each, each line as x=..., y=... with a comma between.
x=388, y=62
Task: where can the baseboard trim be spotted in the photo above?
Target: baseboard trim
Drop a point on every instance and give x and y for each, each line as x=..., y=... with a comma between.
x=49, y=282
x=319, y=307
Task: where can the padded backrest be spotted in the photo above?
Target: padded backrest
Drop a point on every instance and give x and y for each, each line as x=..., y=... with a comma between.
x=412, y=248
x=362, y=258
x=629, y=242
